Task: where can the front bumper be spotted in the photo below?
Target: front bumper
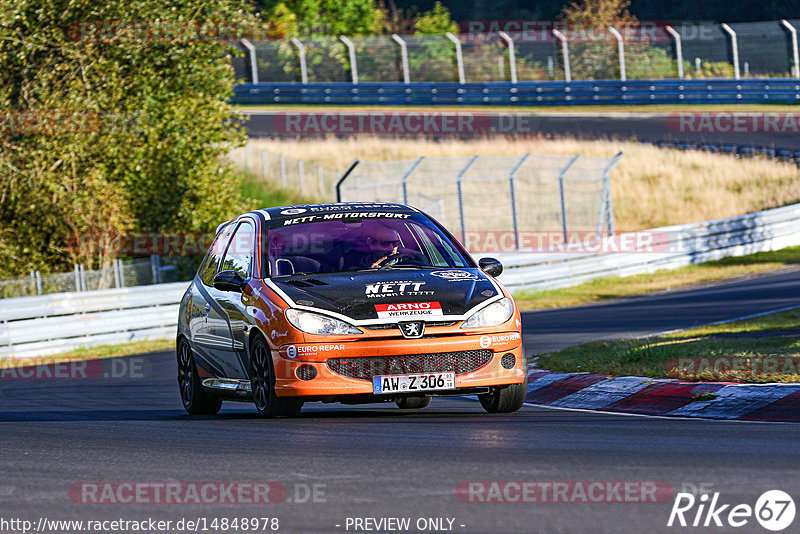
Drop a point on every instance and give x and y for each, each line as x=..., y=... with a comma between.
x=329, y=383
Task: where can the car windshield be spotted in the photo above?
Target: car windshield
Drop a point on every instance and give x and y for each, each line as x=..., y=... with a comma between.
x=349, y=244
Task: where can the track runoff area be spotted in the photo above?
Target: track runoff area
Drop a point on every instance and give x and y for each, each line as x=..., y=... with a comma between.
x=117, y=446
x=114, y=451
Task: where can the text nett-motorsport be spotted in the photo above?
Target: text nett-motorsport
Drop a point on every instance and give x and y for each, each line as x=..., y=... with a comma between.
x=360, y=215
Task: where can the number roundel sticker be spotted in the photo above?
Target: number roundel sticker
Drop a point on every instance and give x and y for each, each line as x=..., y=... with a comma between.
x=775, y=510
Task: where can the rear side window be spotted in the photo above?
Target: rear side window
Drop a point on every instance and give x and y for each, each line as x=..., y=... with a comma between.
x=214, y=256
x=239, y=256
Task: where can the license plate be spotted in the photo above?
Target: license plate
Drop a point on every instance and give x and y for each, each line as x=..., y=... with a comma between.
x=414, y=382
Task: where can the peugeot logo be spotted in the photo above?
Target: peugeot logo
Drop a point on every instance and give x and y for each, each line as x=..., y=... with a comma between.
x=412, y=330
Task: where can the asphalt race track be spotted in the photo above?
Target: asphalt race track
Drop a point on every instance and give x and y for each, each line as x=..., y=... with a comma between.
x=379, y=461
x=550, y=330
x=641, y=126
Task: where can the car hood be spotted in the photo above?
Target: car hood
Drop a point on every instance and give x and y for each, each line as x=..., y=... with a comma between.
x=401, y=294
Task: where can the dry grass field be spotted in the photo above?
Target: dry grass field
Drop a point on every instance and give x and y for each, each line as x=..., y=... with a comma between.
x=651, y=186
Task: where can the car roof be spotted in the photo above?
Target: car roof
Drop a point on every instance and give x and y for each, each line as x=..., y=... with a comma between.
x=282, y=212
x=333, y=207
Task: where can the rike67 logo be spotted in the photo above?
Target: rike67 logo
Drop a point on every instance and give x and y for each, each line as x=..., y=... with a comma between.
x=774, y=510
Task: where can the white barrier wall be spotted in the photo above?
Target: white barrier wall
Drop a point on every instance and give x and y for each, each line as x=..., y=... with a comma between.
x=49, y=324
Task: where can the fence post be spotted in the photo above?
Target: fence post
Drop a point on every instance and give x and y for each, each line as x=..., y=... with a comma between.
x=115, y=266
x=264, y=171
x=77, y=278
x=38, y=282
x=459, y=56
x=793, y=32
x=121, y=274
x=561, y=198
x=154, y=267
x=514, y=221
x=735, y=47
x=33, y=282
x=253, y=63
x=283, y=171
x=351, y=49
x=344, y=176
x=678, y=48
x=301, y=53
x=403, y=57
x=512, y=56
x=565, y=53
x=302, y=173
x=620, y=51
x=409, y=172
x=460, y=175
x=606, y=205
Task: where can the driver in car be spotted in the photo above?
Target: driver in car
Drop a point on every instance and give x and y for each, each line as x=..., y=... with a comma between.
x=380, y=245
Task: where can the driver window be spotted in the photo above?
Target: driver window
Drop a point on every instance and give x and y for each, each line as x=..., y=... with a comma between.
x=214, y=255
x=239, y=256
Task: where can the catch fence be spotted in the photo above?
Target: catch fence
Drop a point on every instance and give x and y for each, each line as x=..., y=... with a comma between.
x=482, y=198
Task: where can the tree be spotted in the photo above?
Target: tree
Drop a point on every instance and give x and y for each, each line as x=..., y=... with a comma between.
x=112, y=127
x=328, y=17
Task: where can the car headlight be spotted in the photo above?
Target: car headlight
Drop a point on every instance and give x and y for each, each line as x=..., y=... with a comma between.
x=312, y=323
x=492, y=315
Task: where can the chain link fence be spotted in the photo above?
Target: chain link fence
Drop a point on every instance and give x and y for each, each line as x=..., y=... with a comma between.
x=157, y=269
x=484, y=198
x=309, y=179
x=648, y=51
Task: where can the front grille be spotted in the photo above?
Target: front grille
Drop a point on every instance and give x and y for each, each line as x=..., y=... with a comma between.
x=393, y=326
x=460, y=363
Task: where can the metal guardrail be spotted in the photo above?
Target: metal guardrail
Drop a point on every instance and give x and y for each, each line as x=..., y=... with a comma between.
x=50, y=324
x=674, y=247
x=614, y=92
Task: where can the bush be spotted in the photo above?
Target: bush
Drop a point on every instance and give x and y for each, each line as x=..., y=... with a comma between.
x=139, y=142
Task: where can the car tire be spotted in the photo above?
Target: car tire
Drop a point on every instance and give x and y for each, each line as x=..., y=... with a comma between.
x=505, y=400
x=262, y=383
x=194, y=399
x=413, y=403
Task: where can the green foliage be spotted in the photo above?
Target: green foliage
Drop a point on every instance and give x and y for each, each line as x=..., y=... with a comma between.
x=151, y=156
x=327, y=17
x=437, y=20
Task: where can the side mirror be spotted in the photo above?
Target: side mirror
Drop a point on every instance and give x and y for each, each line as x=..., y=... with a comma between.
x=491, y=266
x=229, y=281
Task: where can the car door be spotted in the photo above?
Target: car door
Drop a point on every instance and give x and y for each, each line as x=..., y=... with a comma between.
x=210, y=327
x=238, y=257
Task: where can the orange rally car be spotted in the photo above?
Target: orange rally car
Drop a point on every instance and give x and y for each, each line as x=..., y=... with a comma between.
x=346, y=302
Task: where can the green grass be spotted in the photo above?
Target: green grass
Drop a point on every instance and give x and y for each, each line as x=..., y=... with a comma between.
x=744, y=350
x=95, y=353
x=616, y=287
x=654, y=108
x=265, y=194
